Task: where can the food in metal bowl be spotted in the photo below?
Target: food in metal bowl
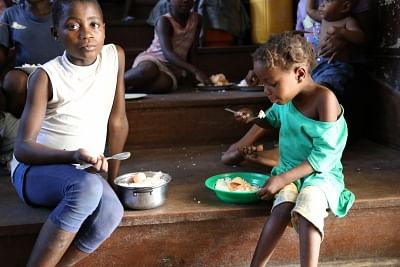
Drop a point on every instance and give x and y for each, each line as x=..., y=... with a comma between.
x=142, y=179
x=143, y=190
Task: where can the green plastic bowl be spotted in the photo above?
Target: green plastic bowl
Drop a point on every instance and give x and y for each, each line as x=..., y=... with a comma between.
x=237, y=197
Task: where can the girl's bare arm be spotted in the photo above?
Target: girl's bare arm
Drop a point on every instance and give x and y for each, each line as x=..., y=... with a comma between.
x=165, y=30
x=118, y=122
x=26, y=149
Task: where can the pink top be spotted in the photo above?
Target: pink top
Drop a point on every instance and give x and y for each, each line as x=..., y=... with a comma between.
x=182, y=39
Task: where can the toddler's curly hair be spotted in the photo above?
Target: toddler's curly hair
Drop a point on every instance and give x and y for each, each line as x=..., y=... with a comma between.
x=285, y=50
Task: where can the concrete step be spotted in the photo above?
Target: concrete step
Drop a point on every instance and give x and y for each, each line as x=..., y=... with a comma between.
x=367, y=262
x=189, y=117
x=194, y=228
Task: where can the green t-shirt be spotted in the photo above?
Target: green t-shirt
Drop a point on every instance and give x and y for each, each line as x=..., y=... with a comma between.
x=321, y=144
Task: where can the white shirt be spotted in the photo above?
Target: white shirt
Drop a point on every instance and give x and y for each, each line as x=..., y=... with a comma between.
x=77, y=115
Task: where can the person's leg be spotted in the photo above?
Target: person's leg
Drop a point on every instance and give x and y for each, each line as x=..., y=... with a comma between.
x=310, y=243
x=15, y=89
x=75, y=194
x=97, y=227
x=146, y=77
x=141, y=75
x=308, y=218
x=271, y=233
x=50, y=245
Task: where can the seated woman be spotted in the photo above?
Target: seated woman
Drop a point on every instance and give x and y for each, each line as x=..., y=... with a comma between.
x=158, y=69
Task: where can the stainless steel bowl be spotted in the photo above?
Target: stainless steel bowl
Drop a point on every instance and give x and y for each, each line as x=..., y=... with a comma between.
x=142, y=198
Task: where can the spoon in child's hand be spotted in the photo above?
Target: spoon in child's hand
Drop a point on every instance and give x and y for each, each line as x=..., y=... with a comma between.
x=231, y=110
x=119, y=156
x=249, y=119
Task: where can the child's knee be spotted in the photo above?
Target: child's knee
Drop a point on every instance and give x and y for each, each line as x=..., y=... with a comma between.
x=15, y=82
x=85, y=193
x=283, y=211
x=148, y=69
x=311, y=207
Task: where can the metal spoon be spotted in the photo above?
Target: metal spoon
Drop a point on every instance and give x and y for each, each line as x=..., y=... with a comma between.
x=251, y=118
x=119, y=156
x=231, y=110
x=236, y=112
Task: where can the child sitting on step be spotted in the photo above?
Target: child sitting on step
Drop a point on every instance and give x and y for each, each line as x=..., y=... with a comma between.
x=27, y=30
x=75, y=103
x=308, y=180
x=158, y=69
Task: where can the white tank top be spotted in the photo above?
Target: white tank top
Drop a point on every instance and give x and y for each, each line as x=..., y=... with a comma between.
x=77, y=115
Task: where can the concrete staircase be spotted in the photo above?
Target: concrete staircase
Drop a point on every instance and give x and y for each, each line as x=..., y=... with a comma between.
x=184, y=134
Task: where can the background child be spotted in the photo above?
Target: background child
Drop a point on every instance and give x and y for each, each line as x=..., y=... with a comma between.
x=32, y=44
x=312, y=135
x=334, y=71
x=75, y=102
x=8, y=133
x=158, y=69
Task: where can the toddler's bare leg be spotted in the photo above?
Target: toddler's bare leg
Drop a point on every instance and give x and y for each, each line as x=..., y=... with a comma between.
x=271, y=233
x=50, y=245
x=310, y=243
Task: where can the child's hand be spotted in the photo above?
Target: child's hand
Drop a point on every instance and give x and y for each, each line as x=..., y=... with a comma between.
x=202, y=77
x=254, y=154
x=243, y=115
x=251, y=79
x=251, y=150
x=273, y=185
x=99, y=163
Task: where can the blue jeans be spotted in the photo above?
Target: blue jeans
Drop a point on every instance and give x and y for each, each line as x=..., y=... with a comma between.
x=84, y=203
x=335, y=75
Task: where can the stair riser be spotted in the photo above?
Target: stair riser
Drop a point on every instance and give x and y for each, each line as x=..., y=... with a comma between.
x=184, y=126
x=130, y=35
x=231, y=242
x=139, y=9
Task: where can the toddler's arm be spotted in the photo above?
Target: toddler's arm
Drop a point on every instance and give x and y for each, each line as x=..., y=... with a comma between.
x=234, y=154
x=275, y=183
x=338, y=38
x=312, y=11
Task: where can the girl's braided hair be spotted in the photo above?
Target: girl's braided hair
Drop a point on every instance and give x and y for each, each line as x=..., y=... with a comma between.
x=59, y=5
x=285, y=50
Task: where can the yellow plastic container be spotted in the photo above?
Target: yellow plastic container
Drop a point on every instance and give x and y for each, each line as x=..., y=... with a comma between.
x=268, y=17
